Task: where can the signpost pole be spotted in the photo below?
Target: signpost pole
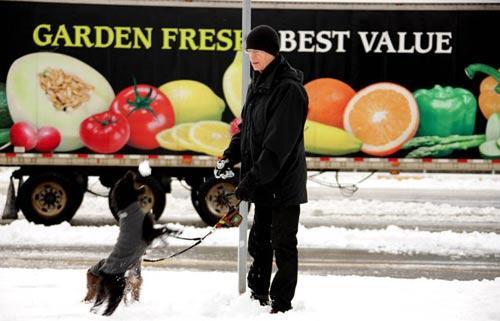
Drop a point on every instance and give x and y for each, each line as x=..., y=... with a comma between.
x=242, y=244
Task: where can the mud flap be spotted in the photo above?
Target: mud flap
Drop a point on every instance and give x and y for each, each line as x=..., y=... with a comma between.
x=10, y=210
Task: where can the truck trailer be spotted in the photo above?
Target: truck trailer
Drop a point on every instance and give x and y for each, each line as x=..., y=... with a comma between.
x=93, y=88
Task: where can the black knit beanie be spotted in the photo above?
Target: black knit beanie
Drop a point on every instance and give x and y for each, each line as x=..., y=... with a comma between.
x=264, y=38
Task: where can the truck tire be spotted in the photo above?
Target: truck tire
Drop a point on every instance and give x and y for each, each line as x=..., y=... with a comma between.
x=153, y=199
x=50, y=198
x=82, y=181
x=206, y=198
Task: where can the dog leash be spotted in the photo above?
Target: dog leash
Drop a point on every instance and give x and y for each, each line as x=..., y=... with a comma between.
x=231, y=219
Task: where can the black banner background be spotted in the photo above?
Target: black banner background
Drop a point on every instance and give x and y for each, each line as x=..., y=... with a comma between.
x=474, y=41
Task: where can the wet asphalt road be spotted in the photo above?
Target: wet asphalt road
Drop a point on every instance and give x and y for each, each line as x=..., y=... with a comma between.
x=320, y=261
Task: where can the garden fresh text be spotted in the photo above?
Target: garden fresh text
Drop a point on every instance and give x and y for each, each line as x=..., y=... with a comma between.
x=206, y=39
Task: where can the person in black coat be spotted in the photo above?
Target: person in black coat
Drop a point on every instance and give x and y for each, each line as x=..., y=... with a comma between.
x=270, y=147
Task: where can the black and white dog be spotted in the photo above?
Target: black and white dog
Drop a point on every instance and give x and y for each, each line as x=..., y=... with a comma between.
x=113, y=278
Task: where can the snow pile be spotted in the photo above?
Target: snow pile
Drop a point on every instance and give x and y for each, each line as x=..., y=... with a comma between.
x=374, y=209
x=395, y=240
x=392, y=240
x=46, y=294
x=410, y=180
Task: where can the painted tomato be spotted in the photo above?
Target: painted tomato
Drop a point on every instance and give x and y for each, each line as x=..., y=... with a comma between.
x=105, y=132
x=23, y=134
x=48, y=139
x=148, y=112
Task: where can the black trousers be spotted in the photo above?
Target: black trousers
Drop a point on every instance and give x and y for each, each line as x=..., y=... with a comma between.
x=274, y=231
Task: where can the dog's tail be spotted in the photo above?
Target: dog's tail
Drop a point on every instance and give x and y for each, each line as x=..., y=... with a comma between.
x=110, y=289
x=115, y=288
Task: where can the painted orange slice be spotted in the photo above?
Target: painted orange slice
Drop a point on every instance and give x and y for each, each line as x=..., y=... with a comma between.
x=383, y=116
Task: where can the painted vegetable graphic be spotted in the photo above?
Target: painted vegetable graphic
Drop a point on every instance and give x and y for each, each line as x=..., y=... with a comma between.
x=490, y=148
x=45, y=139
x=384, y=116
x=4, y=137
x=493, y=127
x=231, y=85
x=23, y=134
x=489, y=96
x=436, y=146
x=328, y=99
x=148, y=112
x=48, y=138
x=193, y=101
x=328, y=140
x=105, y=132
x=5, y=119
x=52, y=89
x=446, y=111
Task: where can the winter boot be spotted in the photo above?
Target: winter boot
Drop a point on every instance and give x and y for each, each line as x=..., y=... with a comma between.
x=262, y=298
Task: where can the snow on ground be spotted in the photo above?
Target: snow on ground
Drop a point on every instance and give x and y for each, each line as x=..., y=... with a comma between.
x=403, y=181
x=46, y=294
x=392, y=240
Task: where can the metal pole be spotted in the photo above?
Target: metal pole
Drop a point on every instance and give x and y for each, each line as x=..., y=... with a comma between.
x=242, y=244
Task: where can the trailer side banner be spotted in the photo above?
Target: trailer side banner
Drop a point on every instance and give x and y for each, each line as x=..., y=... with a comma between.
x=90, y=78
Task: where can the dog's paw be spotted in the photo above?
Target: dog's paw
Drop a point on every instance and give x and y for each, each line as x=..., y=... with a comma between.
x=95, y=309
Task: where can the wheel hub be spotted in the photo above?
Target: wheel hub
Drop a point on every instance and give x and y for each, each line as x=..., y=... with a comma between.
x=215, y=198
x=49, y=199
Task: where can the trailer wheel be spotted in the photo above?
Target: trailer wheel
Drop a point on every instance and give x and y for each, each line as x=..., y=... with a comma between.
x=153, y=199
x=49, y=198
x=206, y=198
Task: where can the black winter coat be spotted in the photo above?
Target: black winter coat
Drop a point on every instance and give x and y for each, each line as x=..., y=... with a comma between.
x=270, y=144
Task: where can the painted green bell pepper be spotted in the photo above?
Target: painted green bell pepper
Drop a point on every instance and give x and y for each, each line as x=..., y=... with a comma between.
x=446, y=111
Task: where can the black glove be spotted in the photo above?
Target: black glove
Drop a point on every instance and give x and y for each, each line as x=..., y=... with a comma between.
x=246, y=188
x=224, y=169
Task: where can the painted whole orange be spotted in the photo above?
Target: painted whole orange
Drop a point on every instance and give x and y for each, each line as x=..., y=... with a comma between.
x=328, y=98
